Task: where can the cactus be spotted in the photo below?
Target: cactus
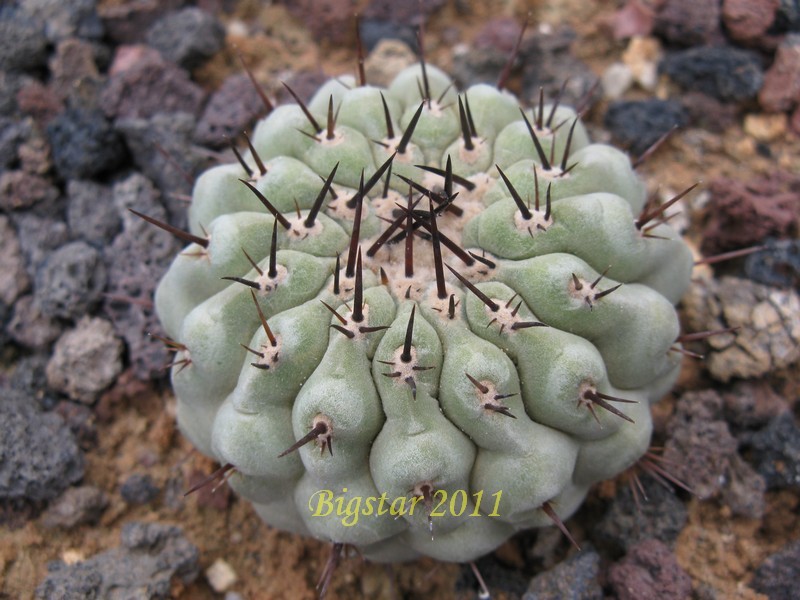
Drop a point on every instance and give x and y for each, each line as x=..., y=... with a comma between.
x=416, y=295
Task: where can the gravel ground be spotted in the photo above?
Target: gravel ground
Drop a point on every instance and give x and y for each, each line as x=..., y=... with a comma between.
x=107, y=105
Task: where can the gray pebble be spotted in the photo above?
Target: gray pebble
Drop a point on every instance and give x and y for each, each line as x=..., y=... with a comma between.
x=86, y=360
x=76, y=506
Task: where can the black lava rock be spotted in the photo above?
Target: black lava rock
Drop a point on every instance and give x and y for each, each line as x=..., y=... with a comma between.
x=630, y=519
x=139, y=489
x=39, y=456
x=637, y=124
x=23, y=45
x=787, y=18
x=71, y=281
x=84, y=144
x=188, y=37
x=777, y=576
x=727, y=74
x=775, y=452
x=777, y=265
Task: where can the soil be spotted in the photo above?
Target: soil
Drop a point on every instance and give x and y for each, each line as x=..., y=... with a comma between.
x=135, y=421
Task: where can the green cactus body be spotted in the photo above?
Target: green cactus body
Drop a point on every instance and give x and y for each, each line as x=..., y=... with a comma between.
x=498, y=348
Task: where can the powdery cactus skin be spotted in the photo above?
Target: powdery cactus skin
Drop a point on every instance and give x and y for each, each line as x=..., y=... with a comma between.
x=514, y=374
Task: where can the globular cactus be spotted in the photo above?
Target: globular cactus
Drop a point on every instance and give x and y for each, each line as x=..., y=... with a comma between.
x=414, y=294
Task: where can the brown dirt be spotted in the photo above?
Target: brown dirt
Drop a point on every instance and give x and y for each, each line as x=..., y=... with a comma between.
x=138, y=435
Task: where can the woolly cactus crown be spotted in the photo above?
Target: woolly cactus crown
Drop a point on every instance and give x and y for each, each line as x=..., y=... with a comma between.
x=398, y=296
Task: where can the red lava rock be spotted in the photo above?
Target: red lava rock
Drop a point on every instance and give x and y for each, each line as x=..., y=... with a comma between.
x=229, y=111
x=650, y=570
x=39, y=101
x=689, y=22
x=702, y=453
x=144, y=84
x=72, y=63
x=498, y=34
x=747, y=21
x=213, y=495
x=742, y=214
x=21, y=190
x=794, y=123
x=327, y=19
x=128, y=57
x=700, y=445
x=636, y=18
x=304, y=84
x=781, y=89
x=751, y=404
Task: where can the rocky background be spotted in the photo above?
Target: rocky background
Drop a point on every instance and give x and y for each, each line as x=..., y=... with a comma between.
x=112, y=104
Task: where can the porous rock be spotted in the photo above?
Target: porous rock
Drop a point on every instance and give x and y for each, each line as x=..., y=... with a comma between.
x=649, y=570
x=85, y=360
x=701, y=452
x=150, y=85
x=230, y=111
x=781, y=89
x=574, y=579
x=151, y=555
x=768, y=318
x=39, y=457
x=728, y=74
x=84, y=144
x=70, y=281
x=777, y=576
x=187, y=37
